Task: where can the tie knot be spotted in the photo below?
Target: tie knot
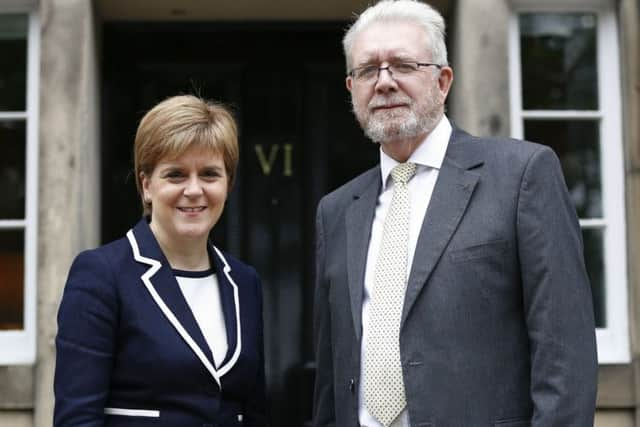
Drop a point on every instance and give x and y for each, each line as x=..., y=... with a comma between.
x=403, y=172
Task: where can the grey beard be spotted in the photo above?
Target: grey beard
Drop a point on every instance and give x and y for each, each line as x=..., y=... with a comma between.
x=382, y=132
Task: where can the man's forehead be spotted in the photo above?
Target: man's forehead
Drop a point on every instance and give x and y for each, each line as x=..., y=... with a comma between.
x=389, y=40
x=379, y=55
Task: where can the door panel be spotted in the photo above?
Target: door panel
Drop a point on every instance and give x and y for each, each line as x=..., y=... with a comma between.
x=298, y=140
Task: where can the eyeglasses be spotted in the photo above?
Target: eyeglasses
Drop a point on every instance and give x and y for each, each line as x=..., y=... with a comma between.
x=370, y=73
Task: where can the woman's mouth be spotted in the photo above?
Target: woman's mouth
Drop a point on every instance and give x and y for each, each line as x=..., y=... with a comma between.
x=192, y=209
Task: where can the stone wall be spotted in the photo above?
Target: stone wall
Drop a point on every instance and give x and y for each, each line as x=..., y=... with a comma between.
x=69, y=192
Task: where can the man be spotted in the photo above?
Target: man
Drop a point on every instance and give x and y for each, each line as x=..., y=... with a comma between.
x=451, y=288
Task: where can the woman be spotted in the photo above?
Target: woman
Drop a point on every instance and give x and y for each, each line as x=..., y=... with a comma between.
x=161, y=327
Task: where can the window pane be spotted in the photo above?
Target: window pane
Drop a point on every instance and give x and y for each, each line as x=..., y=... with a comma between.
x=558, y=55
x=12, y=169
x=595, y=269
x=13, y=62
x=11, y=279
x=576, y=142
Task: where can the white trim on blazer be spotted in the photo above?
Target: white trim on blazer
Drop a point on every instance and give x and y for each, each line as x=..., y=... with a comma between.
x=155, y=265
x=236, y=298
x=132, y=412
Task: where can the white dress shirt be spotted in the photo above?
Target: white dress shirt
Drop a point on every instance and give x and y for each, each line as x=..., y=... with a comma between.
x=200, y=289
x=428, y=158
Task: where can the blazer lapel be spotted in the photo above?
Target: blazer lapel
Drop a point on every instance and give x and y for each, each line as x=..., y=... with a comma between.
x=165, y=291
x=230, y=299
x=359, y=218
x=451, y=195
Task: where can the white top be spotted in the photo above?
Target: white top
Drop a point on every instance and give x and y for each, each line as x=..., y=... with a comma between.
x=200, y=289
x=428, y=158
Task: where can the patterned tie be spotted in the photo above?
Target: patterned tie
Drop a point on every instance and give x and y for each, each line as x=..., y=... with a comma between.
x=383, y=385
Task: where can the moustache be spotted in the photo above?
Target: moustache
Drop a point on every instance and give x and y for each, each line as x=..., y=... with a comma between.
x=389, y=101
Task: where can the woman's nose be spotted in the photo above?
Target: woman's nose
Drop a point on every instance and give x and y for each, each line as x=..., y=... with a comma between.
x=193, y=187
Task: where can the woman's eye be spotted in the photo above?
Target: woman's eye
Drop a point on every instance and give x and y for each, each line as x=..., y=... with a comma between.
x=211, y=174
x=174, y=175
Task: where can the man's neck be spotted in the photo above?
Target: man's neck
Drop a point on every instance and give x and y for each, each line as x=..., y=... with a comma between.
x=401, y=149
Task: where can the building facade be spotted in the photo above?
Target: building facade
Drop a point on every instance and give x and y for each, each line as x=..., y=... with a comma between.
x=77, y=75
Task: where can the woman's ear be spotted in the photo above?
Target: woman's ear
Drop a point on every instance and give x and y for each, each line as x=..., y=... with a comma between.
x=145, y=182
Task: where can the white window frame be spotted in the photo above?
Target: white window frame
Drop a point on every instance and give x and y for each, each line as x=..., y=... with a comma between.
x=19, y=347
x=613, y=340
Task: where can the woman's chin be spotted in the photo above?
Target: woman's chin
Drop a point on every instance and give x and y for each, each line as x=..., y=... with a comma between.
x=193, y=233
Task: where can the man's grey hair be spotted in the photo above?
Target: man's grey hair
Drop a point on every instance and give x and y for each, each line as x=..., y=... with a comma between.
x=413, y=11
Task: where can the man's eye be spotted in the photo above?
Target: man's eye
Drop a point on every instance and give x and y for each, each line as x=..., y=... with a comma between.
x=403, y=67
x=368, y=71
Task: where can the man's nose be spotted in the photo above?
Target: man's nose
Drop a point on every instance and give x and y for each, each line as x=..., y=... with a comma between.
x=385, y=81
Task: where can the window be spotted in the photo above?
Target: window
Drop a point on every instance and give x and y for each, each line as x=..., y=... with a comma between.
x=565, y=92
x=19, y=64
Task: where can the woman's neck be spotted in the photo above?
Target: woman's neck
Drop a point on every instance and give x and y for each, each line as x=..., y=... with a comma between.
x=187, y=254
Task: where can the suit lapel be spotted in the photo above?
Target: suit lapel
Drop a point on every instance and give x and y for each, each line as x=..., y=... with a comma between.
x=165, y=291
x=227, y=300
x=359, y=218
x=449, y=200
x=230, y=299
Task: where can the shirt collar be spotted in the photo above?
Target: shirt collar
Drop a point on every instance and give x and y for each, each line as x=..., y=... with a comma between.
x=429, y=153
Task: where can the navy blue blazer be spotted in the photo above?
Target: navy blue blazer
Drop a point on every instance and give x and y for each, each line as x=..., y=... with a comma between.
x=130, y=352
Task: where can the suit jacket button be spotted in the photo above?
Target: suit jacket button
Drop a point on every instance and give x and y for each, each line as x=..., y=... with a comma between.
x=352, y=386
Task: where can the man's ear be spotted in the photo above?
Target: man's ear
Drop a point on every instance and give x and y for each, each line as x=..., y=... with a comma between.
x=349, y=83
x=445, y=78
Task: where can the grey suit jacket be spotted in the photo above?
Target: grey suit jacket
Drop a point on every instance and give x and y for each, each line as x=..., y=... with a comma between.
x=497, y=326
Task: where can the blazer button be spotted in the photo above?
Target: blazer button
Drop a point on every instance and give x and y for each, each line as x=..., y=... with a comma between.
x=352, y=386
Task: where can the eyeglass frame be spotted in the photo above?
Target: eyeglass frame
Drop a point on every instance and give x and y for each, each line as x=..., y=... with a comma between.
x=389, y=68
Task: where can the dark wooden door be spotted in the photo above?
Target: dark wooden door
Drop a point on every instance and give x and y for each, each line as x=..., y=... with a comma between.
x=298, y=141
